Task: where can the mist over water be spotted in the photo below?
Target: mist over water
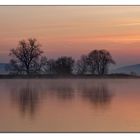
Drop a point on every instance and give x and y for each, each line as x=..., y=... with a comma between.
x=69, y=105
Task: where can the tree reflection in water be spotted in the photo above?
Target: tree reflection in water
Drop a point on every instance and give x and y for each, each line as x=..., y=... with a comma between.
x=61, y=91
x=28, y=95
x=26, y=98
x=98, y=94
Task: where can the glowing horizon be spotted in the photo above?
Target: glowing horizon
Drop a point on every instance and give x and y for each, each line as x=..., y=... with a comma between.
x=73, y=30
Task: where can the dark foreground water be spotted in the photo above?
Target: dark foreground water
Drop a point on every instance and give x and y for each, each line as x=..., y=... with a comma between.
x=70, y=105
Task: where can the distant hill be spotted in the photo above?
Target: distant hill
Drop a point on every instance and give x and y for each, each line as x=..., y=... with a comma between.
x=130, y=69
x=2, y=68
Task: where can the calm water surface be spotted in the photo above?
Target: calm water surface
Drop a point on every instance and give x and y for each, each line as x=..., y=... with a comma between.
x=70, y=105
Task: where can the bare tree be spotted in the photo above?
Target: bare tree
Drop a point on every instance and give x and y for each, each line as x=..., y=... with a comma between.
x=64, y=65
x=44, y=64
x=82, y=65
x=100, y=60
x=51, y=66
x=48, y=66
x=26, y=57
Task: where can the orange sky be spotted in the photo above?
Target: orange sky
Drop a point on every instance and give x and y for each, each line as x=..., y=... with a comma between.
x=73, y=30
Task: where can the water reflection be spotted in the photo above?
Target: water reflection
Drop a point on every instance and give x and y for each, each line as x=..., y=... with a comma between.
x=61, y=91
x=26, y=98
x=98, y=94
x=77, y=105
x=28, y=95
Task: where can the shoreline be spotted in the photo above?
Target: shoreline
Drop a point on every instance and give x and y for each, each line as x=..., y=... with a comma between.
x=110, y=76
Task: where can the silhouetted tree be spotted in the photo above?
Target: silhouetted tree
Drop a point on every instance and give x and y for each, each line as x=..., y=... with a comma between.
x=49, y=66
x=64, y=65
x=26, y=57
x=99, y=61
x=44, y=64
x=82, y=65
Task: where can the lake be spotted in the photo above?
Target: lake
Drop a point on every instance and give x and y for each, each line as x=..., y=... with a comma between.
x=70, y=105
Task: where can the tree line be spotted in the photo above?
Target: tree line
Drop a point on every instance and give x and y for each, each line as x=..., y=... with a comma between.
x=28, y=59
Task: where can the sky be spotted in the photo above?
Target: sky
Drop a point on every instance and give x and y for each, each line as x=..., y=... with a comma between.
x=73, y=30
